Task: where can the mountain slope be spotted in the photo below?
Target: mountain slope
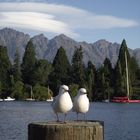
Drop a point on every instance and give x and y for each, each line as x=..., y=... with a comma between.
x=47, y=49
x=13, y=39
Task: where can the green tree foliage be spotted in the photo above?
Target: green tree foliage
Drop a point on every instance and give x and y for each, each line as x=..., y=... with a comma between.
x=16, y=85
x=41, y=92
x=28, y=92
x=120, y=71
x=61, y=68
x=28, y=63
x=135, y=78
x=105, y=83
x=133, y=69
x=16, y=67
x=73, y=89
x=5, y=67
x=138, y=73
x=18, y=91
x=100, y=84
x=41, y=72
x=109, y=79
x=11, y=83
x=78, y=67
x=90, y=74
x=0, y=89
x=137, y=86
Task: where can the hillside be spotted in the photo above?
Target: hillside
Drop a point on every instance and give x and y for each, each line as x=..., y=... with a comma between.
x=47, y=48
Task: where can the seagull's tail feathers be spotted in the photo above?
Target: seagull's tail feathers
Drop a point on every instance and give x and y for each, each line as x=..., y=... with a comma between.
x=54, y=100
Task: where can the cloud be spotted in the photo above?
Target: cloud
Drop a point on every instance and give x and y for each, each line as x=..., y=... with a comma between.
x=34, y=21
x=57, y=18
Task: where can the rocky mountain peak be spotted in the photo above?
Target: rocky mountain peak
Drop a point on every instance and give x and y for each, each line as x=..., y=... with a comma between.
x=40, y=36
x=13, y=39
x=63, y=38
x=47, y=49
x=6, y=31
x=102, y=43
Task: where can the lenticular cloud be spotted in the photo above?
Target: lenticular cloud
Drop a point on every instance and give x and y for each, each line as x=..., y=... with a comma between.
x=54, y=18
x=34, y=21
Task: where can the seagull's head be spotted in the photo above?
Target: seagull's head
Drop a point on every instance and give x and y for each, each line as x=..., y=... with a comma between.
x=82, y=91
x=64, y=88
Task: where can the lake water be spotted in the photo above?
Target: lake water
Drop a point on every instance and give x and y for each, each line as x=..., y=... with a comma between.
x=121, y=121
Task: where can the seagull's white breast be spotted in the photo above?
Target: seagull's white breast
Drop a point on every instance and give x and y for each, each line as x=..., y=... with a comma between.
x=81, y=104
x=63, y=103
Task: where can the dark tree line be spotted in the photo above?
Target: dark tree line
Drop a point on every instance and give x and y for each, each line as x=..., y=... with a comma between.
x=44, y=78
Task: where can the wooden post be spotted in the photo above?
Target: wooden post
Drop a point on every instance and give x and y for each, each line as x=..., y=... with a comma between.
x=72, y=130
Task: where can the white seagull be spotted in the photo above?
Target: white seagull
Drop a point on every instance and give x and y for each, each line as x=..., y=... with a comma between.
x=62, y=103
x=81, y=102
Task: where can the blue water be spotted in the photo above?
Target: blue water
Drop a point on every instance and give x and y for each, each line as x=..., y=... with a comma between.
x=121, y=121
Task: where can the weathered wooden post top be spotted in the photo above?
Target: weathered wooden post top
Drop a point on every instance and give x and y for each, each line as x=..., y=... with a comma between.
x=71, y=130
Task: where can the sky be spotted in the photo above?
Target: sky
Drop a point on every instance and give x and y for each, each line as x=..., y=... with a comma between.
x=82, y=20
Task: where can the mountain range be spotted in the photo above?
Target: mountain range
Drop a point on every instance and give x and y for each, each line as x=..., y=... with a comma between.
x=47, y=48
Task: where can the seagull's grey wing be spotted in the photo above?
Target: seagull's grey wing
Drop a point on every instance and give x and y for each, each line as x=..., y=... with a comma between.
x=54, y=100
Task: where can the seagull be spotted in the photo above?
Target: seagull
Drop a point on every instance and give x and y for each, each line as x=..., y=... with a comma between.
x=81, y=102
x=62, y=102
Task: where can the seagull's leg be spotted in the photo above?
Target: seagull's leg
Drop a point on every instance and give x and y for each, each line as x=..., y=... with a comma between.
x=77, y=116
x=65, y=117
x=85, y=116
x=57, y=117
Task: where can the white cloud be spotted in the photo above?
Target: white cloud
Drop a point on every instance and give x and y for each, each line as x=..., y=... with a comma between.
x=34, y=21
x=56, y=18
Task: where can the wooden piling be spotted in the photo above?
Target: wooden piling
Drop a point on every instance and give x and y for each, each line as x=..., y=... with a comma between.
x=72, y=130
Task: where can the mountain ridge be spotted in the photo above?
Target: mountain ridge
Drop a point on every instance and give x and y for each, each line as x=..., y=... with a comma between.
x=46, y=48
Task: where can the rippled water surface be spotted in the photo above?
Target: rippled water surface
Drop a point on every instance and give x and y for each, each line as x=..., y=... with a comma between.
x=121, y=121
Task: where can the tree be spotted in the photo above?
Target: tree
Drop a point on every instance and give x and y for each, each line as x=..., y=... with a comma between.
x=18, y=91
x=134, y=68
x=61, y=68
x=41, y=72
x=28, y=63
x=100, y=84
x=41, y=92
x=135, y=78
x=16, y=67
x=4, y=70
x=0, y=89
x=78, y=67
x=73, y=89
x=90, y=74
x=104, y=81
x=109, y=79
x=120, y=71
